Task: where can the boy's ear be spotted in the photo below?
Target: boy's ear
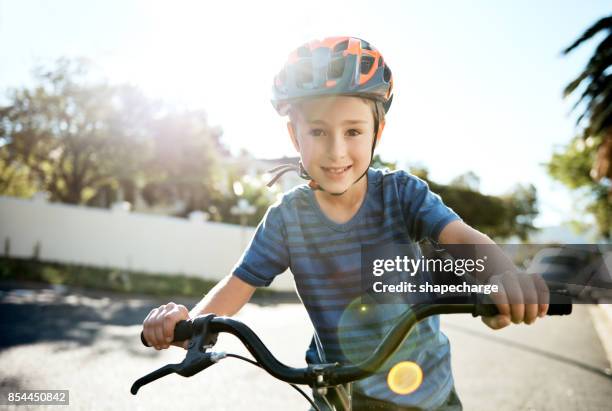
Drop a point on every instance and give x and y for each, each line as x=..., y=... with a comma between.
x=293, y=135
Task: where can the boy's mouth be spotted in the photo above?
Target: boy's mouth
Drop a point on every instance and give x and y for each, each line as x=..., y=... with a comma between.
x=336, y=170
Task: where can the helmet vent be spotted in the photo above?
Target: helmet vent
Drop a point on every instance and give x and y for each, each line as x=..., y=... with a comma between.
x=387, y=74
x=366, y=64
x=365, y=45
x=341, y=46
x=303, y=73
x=336, y=68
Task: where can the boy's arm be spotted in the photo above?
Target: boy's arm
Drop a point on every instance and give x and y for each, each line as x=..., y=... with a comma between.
x=226, y=298
x=458, y=232
x=518, y=289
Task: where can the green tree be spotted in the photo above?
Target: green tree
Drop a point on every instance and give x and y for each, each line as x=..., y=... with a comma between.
x=378, y=162
x=596, y=98
x=467, y=180
x=571, y=166
x=241, y=186
x=87, y=142
x=184, y=159
x=499, y=217
x=67, y=136
x=14, y=176
x=584, y=165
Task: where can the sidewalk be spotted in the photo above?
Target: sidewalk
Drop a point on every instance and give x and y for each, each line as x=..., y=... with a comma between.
x=602, y=321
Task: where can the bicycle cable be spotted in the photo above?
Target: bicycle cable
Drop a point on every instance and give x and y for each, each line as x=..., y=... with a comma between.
x=240, y=357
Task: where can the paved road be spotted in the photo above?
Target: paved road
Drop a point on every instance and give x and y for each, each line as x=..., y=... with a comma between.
x=88, y=343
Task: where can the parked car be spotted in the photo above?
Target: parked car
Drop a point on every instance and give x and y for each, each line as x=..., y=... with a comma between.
x=564, y=268
x=599, y=287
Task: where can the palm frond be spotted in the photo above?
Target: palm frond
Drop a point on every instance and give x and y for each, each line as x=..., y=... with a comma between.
x=569, y=89
x=601, y=117
x=602, y=24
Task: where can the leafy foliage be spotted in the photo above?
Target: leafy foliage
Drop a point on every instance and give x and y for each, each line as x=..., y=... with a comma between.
x=88, y=142
x=585, y=165
x=67, y=138
x=596, y=97
x=497, y=217
x=571, y=166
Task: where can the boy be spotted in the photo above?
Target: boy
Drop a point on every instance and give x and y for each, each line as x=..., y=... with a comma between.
x=336, y=93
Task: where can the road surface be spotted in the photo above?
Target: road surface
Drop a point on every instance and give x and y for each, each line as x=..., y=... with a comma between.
x=88, y=343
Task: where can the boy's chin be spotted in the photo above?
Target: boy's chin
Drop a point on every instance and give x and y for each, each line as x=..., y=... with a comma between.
x=336, y=187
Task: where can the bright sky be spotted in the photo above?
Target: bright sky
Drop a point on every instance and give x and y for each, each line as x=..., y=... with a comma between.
x=477, y=83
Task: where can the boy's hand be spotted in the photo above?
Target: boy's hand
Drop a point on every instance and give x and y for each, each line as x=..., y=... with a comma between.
x=521, y=298
x=158, y=327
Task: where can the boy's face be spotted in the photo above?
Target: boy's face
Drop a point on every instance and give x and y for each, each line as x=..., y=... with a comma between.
x=334, y=135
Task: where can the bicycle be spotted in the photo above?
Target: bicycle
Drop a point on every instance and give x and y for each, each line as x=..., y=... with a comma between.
x=333, y=381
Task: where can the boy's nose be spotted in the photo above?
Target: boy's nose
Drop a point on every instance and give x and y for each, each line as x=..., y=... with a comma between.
x=337, y=147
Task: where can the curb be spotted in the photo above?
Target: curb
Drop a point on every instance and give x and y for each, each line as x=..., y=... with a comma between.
x=607, y=309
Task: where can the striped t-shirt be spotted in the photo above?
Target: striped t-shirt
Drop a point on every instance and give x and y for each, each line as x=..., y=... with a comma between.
x=325, y=259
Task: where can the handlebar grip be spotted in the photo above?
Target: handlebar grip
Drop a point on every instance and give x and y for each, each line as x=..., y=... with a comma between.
x=490, y=310
x=183, y=330
x=559, y=309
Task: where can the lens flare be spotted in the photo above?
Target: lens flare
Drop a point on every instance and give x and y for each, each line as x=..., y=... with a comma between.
x=405, y=377
x=361, y=327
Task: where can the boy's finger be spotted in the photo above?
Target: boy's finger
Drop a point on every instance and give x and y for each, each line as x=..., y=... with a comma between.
x=499, y=297
x=159, y=330
x=530, y=298
x=515, y=297
x=170, y=321
x=543, y=294
x=148, y=335
x=148, y=327
x=497, y=322
x=168, y=328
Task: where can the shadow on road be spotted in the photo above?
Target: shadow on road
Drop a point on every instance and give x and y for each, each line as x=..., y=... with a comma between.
x=31, y=313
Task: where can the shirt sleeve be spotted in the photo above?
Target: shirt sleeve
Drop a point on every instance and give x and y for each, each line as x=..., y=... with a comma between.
x=424, y=211
x=267, y=254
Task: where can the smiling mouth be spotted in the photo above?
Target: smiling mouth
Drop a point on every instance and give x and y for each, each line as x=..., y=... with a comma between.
x=336, y=170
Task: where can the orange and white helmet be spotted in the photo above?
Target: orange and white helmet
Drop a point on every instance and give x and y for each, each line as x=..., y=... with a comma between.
x=333, y=66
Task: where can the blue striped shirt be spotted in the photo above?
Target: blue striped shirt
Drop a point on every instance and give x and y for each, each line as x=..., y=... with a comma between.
x=325, y=259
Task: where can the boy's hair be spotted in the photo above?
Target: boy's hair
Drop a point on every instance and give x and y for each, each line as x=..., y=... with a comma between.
x=377, y=114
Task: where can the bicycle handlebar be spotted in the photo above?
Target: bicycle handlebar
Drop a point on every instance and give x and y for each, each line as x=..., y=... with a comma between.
x=316, y=375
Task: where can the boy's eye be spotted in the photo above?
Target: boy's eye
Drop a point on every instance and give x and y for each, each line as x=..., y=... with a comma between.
x=316, y=132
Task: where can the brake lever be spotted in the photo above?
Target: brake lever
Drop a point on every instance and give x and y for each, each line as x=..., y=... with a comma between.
x=196, y=360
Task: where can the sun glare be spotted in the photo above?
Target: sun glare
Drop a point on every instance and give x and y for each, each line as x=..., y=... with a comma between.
x=405, y=377
x=209, y=56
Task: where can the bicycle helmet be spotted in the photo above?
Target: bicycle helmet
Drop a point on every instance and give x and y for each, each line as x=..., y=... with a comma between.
x=333, y=66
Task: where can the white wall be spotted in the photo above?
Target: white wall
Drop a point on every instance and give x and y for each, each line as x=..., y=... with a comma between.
x=142, y=242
